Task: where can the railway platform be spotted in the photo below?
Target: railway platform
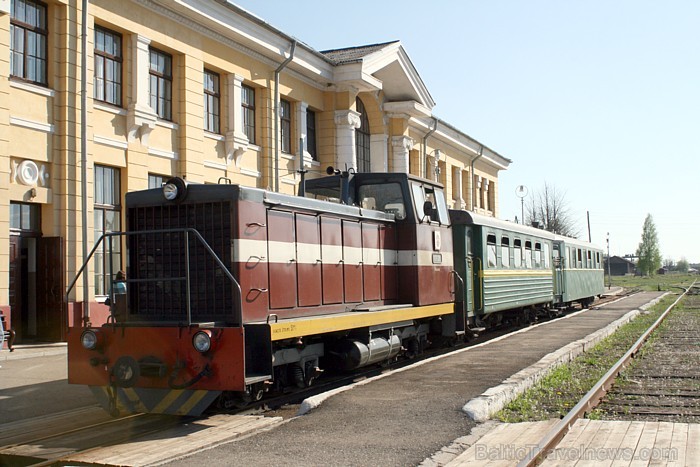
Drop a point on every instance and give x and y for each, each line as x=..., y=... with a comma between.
x=589, y=442
x=416, y=416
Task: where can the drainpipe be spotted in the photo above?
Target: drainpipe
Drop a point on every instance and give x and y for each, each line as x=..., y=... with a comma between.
x=471, y=176
x=424, y=148
x=83, y=160
x=276, y=137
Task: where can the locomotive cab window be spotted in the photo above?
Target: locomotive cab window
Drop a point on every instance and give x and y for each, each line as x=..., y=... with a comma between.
x=430, y=203
x=505, y=252
x=386, y=197
x=491, y=250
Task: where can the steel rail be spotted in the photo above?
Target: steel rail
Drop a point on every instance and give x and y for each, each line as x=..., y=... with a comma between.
x=593, y=397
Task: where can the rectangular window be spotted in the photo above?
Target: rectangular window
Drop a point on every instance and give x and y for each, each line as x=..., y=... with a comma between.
x=156, y=181
x=505, y=252
x=546, y=256
x=491, y=250
x=579, y=258
x=108, y=66
x=517, y=253
x=25, y=217
x=528, y=254
x=107, y=220
x=28, y=40
x=286, y=126
x=211, y=101
x=248, y=104
x=161, y=83
x=311, y=134
x=538, y=255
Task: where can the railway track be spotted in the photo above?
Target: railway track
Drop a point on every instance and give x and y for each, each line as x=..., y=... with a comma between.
x=664, y=383
x=667, y=366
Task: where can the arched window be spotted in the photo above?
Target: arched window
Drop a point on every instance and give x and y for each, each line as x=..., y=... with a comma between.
x=362, y=139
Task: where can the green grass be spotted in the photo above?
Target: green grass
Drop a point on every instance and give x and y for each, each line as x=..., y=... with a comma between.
x=563, y=387
x=657, y=282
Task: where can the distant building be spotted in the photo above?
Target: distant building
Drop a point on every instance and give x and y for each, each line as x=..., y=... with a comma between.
x=620, y=266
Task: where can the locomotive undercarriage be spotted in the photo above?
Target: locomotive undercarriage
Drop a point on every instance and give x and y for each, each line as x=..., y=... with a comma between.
x=297, y=363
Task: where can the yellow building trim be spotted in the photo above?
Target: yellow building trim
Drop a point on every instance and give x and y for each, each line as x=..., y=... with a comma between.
x=313, y=325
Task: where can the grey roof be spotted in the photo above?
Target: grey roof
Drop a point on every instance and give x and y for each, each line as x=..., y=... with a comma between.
x=353, y=54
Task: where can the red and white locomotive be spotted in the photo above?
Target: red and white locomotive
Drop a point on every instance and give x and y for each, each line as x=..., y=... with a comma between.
x=235, y=290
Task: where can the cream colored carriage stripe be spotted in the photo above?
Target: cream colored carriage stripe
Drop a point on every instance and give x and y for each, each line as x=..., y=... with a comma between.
x=306, y=253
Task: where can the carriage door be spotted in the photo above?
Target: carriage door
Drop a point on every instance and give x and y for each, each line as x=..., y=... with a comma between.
x=558, y=263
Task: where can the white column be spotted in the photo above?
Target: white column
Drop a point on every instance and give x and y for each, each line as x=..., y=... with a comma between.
x=401, y=147
x=486, y=195
x=457, y=187
x=236, y=139
x=346, y=122
x=379, y=159
x=141, y=118
x=302, y=136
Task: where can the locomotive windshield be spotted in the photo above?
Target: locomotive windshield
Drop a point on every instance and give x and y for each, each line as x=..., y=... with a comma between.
x=386, y=197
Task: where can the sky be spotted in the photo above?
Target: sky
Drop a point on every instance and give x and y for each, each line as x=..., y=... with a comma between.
x=598, y=98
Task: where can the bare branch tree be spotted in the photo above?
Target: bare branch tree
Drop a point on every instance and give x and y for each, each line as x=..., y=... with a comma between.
x=550, y=210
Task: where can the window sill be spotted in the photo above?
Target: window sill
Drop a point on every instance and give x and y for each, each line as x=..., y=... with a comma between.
x=33, y=88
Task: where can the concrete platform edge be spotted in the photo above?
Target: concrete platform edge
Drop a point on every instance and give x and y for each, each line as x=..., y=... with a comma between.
x=482, y=407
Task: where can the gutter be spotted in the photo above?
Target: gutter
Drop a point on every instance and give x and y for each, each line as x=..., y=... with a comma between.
x=471, y=174
x=424, y=147
x=276, y=137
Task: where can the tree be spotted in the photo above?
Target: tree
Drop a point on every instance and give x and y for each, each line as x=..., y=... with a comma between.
x=682, y=265
x=648, y=250
x=550, y=210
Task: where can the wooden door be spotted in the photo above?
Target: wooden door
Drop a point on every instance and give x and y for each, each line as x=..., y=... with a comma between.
x=16, y=284
x=50, y=287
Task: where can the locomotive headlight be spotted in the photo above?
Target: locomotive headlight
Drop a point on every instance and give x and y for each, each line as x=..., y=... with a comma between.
x=90, y=339
x=175, y=189
x=170, y=191
x=202, y=341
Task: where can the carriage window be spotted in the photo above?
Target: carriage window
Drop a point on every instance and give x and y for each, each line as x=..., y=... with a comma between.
x=528, y=254
x=505, y=252
x=386, y=197
x=491, y=250
x=590, y=260
x=579, y=258
x=546, y=255
x=517, y=253
x=597, y=260
x=538, y=255
x=572, y=257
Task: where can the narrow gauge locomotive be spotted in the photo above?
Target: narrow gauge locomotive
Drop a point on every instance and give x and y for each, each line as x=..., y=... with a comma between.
x=233, y=291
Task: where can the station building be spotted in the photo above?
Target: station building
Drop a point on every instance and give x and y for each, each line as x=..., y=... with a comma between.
x=187, y=88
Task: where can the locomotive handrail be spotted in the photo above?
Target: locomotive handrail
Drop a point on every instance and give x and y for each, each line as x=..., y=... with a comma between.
x=238, y=312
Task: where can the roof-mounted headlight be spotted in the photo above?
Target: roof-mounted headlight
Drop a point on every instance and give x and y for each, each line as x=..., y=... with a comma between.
x=175, y=189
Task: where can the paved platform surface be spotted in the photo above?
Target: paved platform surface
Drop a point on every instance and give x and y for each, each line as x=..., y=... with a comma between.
x=589, y=442
x=408, y=417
